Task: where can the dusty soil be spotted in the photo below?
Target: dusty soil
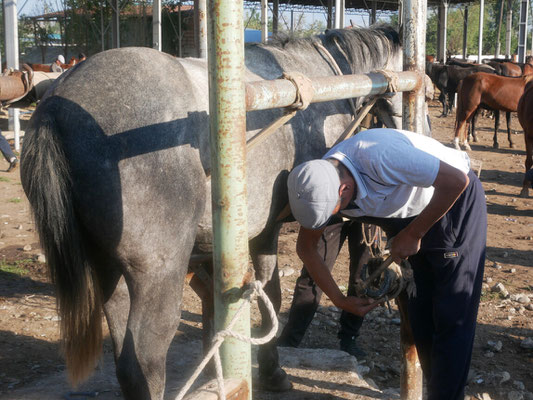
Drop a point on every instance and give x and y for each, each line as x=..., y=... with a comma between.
x=31, y=365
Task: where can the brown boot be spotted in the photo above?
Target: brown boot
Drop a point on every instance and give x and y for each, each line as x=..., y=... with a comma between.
x=13, y=165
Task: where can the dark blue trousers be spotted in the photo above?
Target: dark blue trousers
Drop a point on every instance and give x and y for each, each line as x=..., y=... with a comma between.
x=448, y=272
x=5, y=148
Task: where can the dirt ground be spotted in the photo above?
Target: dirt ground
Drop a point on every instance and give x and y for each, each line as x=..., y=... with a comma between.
x=31, y=365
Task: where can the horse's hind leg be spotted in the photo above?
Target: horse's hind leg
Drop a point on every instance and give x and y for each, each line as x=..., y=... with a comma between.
x=508, y=117
x=528, y=178
x=495, y=143
x=155, y=299
x=263, y=250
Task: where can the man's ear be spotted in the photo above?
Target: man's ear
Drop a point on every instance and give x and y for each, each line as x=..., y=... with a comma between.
x=344, y=189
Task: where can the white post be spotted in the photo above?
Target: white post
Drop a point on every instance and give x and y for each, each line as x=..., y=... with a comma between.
x=201, y=20
x=12, y=60
x=264, y=21
x=480, y=42
x=156, y=25
x=339, y=14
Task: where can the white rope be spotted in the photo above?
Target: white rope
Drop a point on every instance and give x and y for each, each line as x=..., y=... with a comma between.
x=254, y=289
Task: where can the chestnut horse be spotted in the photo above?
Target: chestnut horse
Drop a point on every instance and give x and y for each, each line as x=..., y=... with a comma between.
x=482, y=90
x=525, y=116
x=48, y=67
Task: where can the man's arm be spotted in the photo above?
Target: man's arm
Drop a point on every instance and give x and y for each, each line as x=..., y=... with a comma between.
x=449, y=184
x=306, y=247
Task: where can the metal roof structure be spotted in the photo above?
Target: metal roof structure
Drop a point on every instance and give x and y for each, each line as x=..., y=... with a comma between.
x=351, y=6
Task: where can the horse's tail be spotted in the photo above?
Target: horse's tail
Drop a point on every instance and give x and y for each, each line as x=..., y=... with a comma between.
x=459, y=112
x=46, y=179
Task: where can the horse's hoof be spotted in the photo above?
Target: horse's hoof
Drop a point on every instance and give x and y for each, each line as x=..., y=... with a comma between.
x=475, y=140
x=496, y=146
x=511, y=145
x=467, y=147
x=278, y=381
x=524, y=193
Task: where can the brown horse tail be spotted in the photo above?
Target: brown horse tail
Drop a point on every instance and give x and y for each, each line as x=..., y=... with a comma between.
x=46, y=179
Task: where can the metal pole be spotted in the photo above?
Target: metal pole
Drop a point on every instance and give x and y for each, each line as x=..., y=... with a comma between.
x=12, y=60
x=228, y=160
x=443, y=25
x=465, y=33
x=156, y=25
x=200, y=16
x=414, y=54
x=480, y=41
x=277, y=93
x=499, y=31
x=116, y=9
x=337, y=14
x=522, y=31
x=330, y=14
x=264, y=21
x=102, y=33
x=275, y=16
x=180, y=33
x=373, y=13
x=509, y=27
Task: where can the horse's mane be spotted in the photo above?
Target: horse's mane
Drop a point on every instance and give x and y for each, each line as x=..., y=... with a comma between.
x=527, y=78
x=364, y=47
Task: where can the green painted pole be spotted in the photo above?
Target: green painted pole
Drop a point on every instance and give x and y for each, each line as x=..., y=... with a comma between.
x=228, y=160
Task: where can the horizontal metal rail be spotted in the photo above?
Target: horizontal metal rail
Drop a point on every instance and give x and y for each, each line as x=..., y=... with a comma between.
x=278, y=93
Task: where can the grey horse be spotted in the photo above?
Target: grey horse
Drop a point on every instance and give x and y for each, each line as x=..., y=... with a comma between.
x=115, y=165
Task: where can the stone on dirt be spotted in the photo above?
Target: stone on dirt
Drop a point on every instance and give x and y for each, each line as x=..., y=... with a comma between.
x=527, y=343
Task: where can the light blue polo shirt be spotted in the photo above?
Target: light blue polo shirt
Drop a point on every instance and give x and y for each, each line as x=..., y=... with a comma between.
x=394, y=170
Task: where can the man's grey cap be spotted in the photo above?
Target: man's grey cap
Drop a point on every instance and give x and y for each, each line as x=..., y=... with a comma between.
x=313, y=192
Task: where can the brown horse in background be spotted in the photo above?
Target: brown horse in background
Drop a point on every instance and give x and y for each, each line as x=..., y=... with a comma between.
x=48, y=67
x=482, y=90
x=525, y=116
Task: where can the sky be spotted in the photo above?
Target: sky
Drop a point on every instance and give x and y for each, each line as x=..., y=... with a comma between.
x=35, y=7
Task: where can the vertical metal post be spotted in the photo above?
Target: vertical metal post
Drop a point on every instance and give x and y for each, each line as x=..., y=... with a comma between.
x=330, y=14
x=443, y=25
x=200, y=14
x=373, y=13
x=414, y=54
x=156, y=25
x=522, y=31
x=275, y=16
x=509, y=28
x=180, y=33
x=12, y=60
x=499, y=31
x=264, y=21
x=465, y=34
x=480, y=41
x=227, y=109
x=338, y=13
x=102, y=32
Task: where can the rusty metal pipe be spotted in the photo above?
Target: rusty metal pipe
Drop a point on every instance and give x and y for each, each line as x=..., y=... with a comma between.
x=11, y=87
x=264, y=95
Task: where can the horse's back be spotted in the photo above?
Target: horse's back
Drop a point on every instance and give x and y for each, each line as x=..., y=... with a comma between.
x=134, y=158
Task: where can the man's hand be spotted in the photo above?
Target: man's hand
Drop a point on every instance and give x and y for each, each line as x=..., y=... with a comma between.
x=357, y=305
x=403, y=245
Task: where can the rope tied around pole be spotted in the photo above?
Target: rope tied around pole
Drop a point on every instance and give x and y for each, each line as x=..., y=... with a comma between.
x=250, y=292
x=392, y=80
x=304, y=89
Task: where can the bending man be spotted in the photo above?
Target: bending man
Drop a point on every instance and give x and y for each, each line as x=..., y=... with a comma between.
x=432, y=206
